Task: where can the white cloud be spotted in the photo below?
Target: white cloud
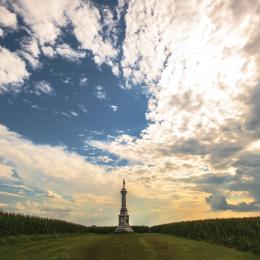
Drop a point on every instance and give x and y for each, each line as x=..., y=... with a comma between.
x=67, y=52
x=73, y=113
x=83, y=81
x=67, y=173
x=7, y=18
x=43, y=87
x=115, y=70
x=198, y=80
x=37, y=107
x=199, y=74
x=87, y=28
x=30, y=51
x=47, y=19
x=44, y=159
x=83, y=108
x=44, y=17
x=31, y=46
x=105, y=158
x=48, y=51
x=96, y=31
x=63, y=175
x=52, y=194
x=67, y=114
x=199, y=77
x=3, y=205
x=12, y=71
x=114, y=108
x=6, y=171
x=100, y=92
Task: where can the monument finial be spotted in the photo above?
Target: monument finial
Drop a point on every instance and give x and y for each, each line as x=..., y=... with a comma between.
x=123, y=183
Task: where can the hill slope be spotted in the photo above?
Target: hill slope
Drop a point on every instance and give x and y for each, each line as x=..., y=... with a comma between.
x=122, y=246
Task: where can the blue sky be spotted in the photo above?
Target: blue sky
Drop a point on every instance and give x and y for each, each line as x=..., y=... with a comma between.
x=86, y=100
x=74, y=111
x=92, y=92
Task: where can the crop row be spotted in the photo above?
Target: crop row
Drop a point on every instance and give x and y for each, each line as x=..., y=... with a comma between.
x=241, y=233
x=13, y=224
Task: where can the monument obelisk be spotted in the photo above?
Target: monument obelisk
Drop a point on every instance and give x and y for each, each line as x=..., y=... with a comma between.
x=123, y=217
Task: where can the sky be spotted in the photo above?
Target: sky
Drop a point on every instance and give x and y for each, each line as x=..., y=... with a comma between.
x=165, y=94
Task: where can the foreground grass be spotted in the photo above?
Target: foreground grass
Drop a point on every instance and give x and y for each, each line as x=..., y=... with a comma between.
x=114, y=246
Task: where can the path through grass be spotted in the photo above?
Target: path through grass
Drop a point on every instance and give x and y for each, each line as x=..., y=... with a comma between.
x=115, y=246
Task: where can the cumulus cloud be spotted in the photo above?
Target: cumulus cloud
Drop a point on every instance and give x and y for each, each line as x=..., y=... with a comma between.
x=67, y=52
x=87, y=27
x=218, y=202
x=94, y=28
x=31, y=51
x=201, y=76
x=44, y=18
x=12, y=71
x=253, y=119
x=7, y=18
x=75, y=187
x=198, y=80
x=46, y=21
x=52, y=194
x=6, y=170
x=116, y=70
x=66, y=174
x=37, y=154
x=55, y=208
x=202, y=80
x=48, y=51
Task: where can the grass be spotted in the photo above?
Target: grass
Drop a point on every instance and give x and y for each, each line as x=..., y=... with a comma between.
x=114, y=246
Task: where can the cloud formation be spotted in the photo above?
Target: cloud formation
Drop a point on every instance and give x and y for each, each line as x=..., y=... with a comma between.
x=94, y=29
x=67, y=52
x=12, y=71
x=202, y=83
x=43, y=87
x=50, y=180
x=201, y=79
x=7, y=18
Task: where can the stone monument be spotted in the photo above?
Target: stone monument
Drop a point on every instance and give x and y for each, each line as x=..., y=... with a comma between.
x=123, y=218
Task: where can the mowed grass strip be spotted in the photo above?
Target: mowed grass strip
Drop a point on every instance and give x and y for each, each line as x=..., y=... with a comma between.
x=115, y=246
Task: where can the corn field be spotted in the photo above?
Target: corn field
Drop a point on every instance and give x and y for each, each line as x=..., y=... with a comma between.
x=241, y=233
x=15, y=224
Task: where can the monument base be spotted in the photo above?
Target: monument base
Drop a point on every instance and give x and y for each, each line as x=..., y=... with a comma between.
x=123, y=229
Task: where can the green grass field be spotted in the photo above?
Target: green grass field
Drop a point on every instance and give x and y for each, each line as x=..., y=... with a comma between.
x=114, y=246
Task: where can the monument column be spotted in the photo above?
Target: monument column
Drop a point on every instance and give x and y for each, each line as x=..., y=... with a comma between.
x=123, y=217
x=123, y=192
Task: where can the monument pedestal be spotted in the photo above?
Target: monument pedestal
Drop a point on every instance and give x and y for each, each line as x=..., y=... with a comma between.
x=123, y=229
